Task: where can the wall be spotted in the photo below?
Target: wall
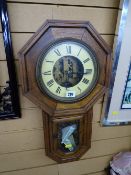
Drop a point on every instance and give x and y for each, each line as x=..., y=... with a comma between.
x=21, y=140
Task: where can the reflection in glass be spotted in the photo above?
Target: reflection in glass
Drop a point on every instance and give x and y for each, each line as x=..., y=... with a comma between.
x=68, y=136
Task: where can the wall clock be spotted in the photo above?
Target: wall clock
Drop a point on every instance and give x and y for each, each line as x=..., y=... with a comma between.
x=65, y=69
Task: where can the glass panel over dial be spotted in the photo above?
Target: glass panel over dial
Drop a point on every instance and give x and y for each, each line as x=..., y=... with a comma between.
x=67, y=70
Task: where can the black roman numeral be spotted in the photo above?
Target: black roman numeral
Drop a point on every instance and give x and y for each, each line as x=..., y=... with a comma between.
x=47, y=73
x=86, y=60
x=57, y=52
x=48, y=61
x=88, y=71
x=68, y=48
x=50, y=83
x=79, y=89
x=79, y=51
x=86, y=81
x=58, y=90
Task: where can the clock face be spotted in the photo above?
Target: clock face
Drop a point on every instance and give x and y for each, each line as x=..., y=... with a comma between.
x=67, y=71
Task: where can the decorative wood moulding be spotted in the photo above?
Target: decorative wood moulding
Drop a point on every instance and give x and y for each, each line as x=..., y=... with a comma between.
x=65, y=69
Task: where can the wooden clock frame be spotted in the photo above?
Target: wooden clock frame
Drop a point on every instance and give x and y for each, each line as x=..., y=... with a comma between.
x=55, y=112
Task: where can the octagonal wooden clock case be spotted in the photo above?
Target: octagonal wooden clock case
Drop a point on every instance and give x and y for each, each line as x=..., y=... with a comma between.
x=65, y=69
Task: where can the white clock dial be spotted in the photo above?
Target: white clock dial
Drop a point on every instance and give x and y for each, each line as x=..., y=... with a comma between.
x=67, y=70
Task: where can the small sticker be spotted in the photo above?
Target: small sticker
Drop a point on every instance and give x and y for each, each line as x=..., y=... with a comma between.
x=68, y=146
x=70, y=94
x=115, y=113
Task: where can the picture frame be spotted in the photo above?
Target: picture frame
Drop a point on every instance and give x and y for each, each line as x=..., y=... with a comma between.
x=9, y=98
x=116, y=109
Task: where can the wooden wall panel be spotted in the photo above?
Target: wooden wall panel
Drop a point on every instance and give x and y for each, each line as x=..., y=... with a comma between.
x=33, y=140
x=118, y=22
x=84, y=166
x=28, y=17
x=31, y=119
x=23, y=160
x=3, y=73
x=2, y=51
x=47, y=170
x=104, y=19
x=21, y=141
x=110, y=147
x=96, y=112
x=25, y=102
x=37, y=158
x=95, y=3
x=99, y=132
x=18, y=40
x=109, y=40
x=99, y=173
x=107, y=147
